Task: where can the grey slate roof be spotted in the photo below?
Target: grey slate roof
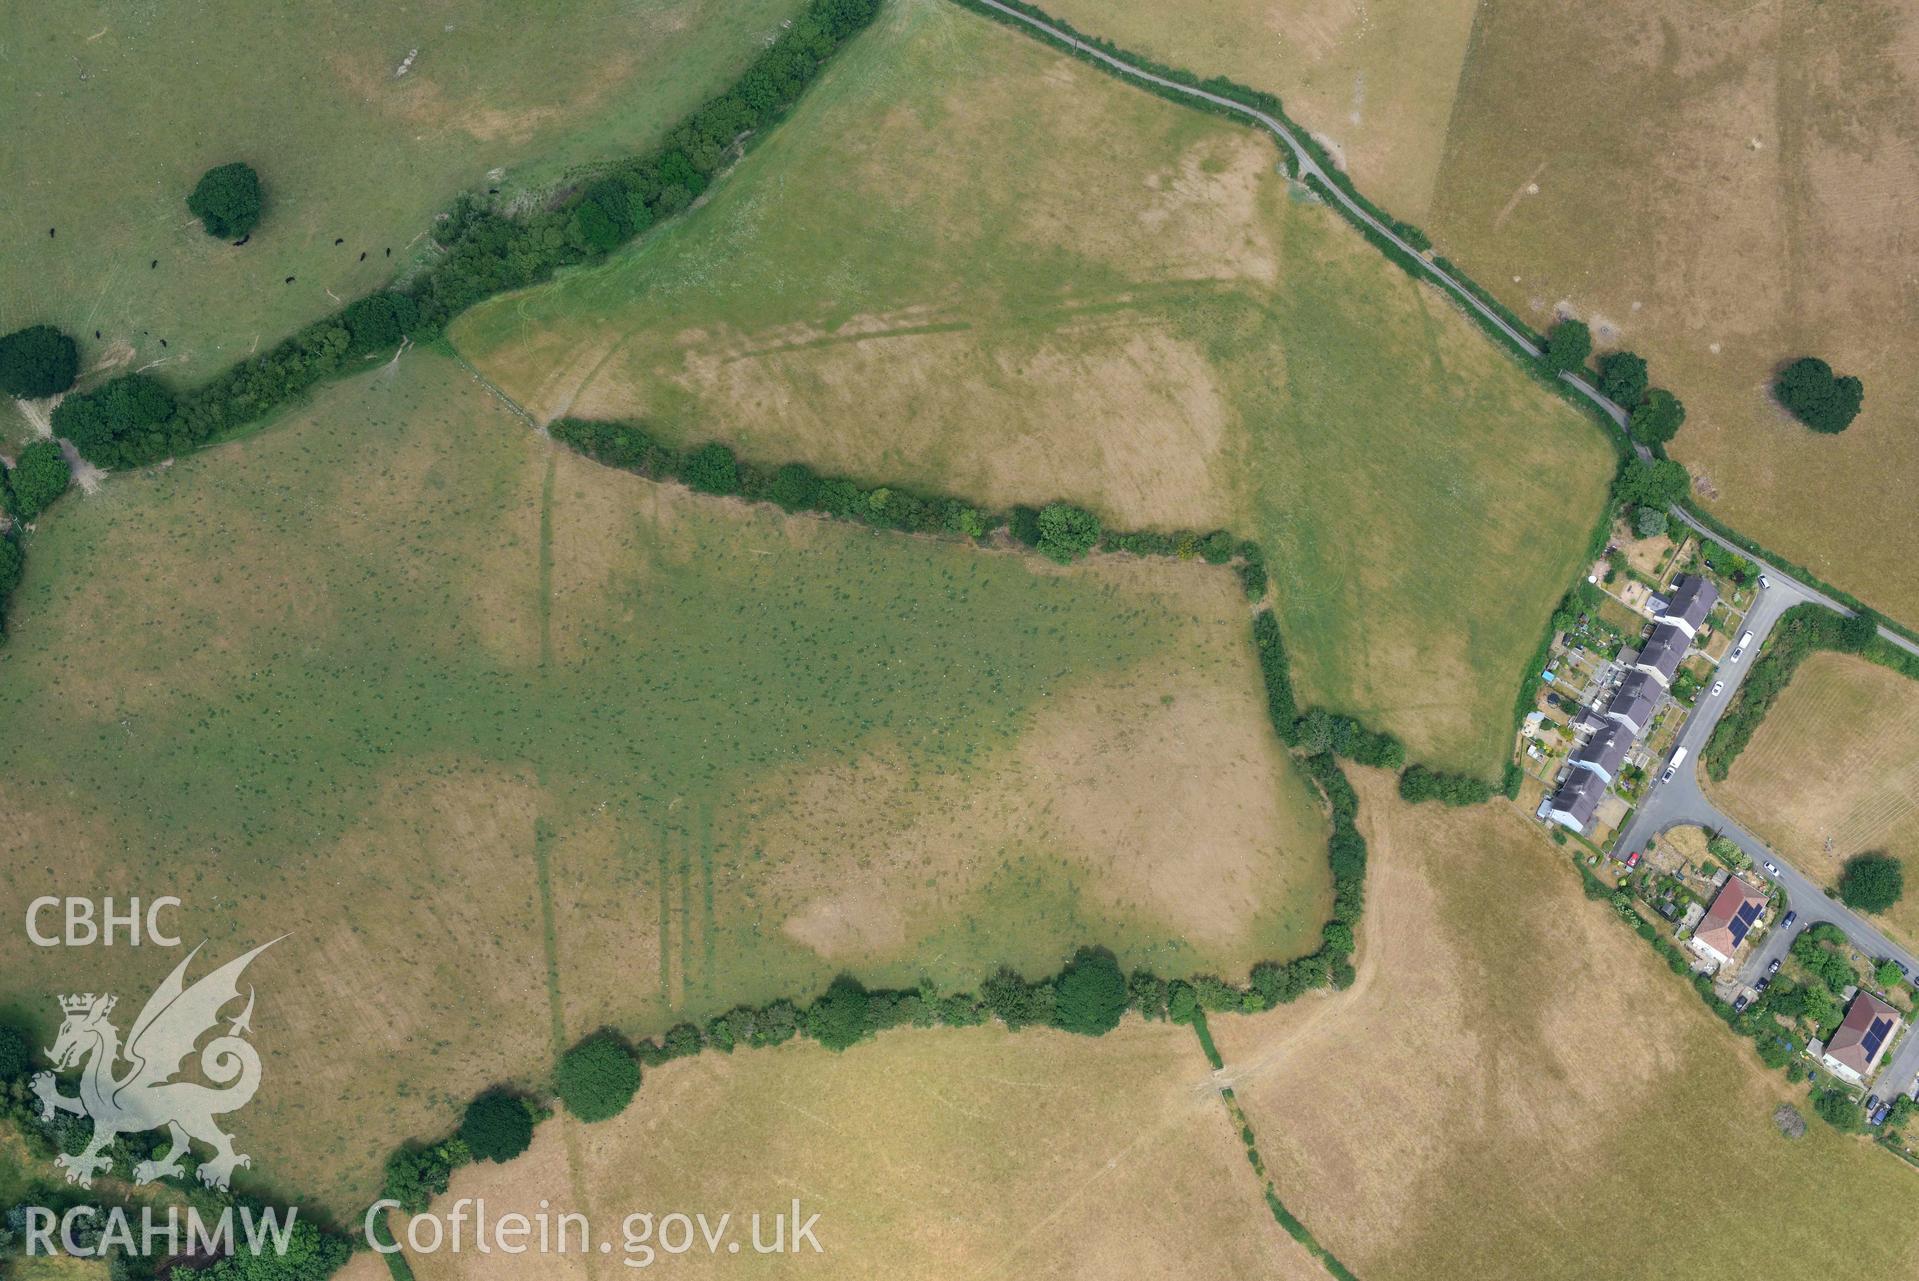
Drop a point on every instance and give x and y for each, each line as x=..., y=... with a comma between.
x=1692, y=599
x=1635, y=699
x=1580, y=795
x=1606, y=749
x=1665, y=650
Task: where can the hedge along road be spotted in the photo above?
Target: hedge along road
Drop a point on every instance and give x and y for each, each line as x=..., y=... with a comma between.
x=1308, y=167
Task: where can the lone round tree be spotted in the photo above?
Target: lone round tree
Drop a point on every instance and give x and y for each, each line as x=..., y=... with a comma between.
x=1824, y=401
x=1872, y=882
x=37, y=361
x=227, y=200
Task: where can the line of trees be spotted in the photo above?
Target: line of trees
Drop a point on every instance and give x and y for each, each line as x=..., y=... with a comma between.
x=1655, y=415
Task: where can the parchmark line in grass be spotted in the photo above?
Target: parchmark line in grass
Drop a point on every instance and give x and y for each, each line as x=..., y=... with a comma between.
x=549, y=929
x=709, y=944
x=666, y=947
x=546, y=564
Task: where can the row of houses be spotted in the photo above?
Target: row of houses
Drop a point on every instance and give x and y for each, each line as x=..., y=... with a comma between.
x=1628, y=713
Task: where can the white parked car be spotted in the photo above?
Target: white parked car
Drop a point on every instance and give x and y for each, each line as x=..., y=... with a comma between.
x=1772, y=868
x=1717, y=687
x=1764, y=582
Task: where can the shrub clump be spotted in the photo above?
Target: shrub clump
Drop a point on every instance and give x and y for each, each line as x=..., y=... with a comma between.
x=16, y=1053
x=1872, y=882
x=497, y=1126
x=1822, y=400
x=37, y=361
x=1066, y=532
x=227, y=200
x=597, y=1078
x=39, y=476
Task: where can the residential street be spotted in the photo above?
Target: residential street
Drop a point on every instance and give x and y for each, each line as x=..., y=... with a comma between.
x=1682, y=801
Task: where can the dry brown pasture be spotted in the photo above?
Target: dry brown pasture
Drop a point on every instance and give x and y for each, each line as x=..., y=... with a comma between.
x=956, y=1154
x=1722, y=187
x=1373, y=81
x=1833, y=771
x=512, y=746
x=1516, y=1087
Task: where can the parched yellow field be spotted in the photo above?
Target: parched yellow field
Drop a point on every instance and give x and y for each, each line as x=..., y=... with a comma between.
x=1723, y=187
x=1833, y=771
x=513, y=746
x=1517, y=1087
x=1130, y=308
x=1373, y=79
x=364, y=120
x=948, y=1155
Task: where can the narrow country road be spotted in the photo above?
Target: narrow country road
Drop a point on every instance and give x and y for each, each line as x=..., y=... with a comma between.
x=1308, y=167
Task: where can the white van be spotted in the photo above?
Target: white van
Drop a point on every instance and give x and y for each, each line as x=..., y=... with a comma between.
x=1672, y=767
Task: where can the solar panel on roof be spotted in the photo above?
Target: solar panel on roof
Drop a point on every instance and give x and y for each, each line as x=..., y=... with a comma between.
x=1743, y=921
x=1874, y=1036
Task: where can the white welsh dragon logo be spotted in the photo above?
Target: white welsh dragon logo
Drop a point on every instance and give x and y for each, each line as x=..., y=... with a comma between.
x=146, y=1096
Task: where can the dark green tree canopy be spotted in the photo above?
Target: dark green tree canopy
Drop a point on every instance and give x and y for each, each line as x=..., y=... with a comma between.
x=597, y=1078
x=712, y=469
x=1622, y=378
x=16, y=1053
x=378, y=321
x=1824, y=401
x=1066, y=532
x=37, y=361
x=1090, y=993
x=1568, y=345
x=1857, y=632
x=39, y=476
x=108, y=424
x=1872, y=882
x=497, y=1127
x=1649, y=522
x=1657, y=418
x=838, y=1018
x=227, y=200
x=1659, y=483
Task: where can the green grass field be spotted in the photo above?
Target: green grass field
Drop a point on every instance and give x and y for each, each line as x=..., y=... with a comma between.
x=114, y=111
x=515, y=746
x=1129, y=308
